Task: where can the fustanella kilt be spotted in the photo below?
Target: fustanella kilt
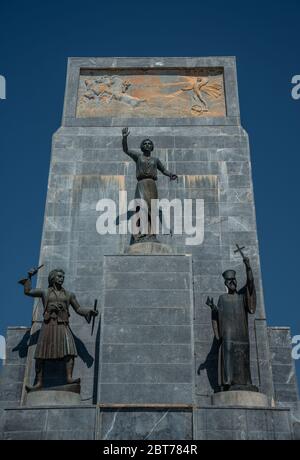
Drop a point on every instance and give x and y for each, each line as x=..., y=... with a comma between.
x=55, y=341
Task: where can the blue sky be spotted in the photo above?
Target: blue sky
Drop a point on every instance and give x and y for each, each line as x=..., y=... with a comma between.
x=37, y=37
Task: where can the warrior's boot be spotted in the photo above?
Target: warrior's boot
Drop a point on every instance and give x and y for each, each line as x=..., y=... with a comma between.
x=38, y=377
x=69, y=371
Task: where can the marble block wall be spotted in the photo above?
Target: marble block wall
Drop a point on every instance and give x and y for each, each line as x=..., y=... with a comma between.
x=92, y=423
x=284, y=373
x=13, y=370
x=146, y=345
x=216, y=423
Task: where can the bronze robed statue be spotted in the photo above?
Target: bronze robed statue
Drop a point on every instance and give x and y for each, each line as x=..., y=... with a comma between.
x=230, y=325
x=56, y=341
x=146, y=174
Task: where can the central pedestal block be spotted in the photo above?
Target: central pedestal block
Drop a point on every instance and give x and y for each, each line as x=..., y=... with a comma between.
x=146, y=332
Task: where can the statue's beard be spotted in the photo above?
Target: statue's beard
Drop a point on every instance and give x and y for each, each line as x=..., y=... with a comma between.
x=231, y=287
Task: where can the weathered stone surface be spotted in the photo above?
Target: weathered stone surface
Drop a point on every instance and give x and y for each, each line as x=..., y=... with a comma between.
x=25, y=420
x=242, y=424
x=146, y=424
x=149, y=248
x=47, y=423
x=145, y=393
x=240, y=398
x=286, y=392
x=52, y=398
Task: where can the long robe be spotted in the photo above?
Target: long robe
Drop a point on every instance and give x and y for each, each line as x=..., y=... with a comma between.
x=230, y=324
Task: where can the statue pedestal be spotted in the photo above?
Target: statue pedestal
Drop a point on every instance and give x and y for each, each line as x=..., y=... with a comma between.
x=66, y=395
x=149, y=247
x=240, y=399
x=146, y=333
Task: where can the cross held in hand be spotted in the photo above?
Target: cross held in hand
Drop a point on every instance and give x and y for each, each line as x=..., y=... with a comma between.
x=240, y=250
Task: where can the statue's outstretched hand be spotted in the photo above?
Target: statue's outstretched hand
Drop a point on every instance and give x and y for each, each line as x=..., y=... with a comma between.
x=210, y=302
x=173, y=177
x=125, y=132
x=32, y=272
x=90, y=314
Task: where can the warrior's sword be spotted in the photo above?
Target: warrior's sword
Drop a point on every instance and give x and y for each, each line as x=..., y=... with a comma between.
x=93, y=321
x=35, y=270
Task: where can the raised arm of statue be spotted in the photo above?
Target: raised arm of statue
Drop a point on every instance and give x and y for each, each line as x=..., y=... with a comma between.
x=28, y=290
x=250, y=292
x=125, y=134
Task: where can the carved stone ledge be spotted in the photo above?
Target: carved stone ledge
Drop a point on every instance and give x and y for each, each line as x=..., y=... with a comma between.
x=149, y=248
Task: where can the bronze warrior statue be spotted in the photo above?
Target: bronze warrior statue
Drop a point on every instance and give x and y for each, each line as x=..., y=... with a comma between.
x=146, y=174
x=230, y=325
x=55, y=340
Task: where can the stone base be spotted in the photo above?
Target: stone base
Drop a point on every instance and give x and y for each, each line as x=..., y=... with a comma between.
x=149, y=248
x=121, y=423
x=242, y=388
x=240, y=399
x=73, y=387
x=97, y=423
x=242, y=423
x=53, y=397
x=146, y=325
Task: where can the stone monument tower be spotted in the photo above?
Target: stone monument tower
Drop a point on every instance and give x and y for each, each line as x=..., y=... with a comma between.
x=150, y=368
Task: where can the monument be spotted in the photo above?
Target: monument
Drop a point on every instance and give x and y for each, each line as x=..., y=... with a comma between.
x=154, y=368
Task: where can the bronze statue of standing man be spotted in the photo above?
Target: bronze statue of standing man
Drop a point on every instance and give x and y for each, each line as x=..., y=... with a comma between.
x=55, y=340
x=230, y=325
x=146, y=174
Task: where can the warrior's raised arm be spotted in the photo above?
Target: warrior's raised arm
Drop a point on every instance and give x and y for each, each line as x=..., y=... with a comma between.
x=26, y=282
x=125, y=134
